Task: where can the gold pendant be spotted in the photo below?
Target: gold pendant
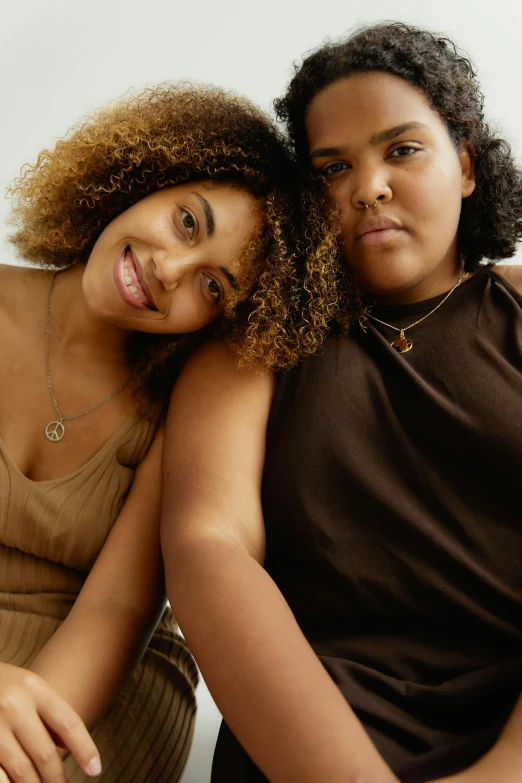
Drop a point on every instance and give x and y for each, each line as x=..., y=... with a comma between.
x=402, y=344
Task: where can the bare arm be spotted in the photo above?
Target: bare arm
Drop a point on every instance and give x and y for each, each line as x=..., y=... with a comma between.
x=503, y=763
x=267, y=681
x=92, y=653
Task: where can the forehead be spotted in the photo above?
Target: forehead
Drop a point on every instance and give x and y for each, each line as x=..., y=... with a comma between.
x=223, y=195
x=363, y=104
x=238, y=218
x=235, y=204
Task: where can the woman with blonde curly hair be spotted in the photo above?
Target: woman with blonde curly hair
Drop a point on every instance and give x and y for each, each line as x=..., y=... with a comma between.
x=170, y=213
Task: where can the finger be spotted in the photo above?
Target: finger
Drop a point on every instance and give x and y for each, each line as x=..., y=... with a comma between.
x=3, y=777
x=61, y=719
x=38, y=745
x=16, y=765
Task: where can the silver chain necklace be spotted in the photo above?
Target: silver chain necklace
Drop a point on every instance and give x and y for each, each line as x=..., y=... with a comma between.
x=55, y=430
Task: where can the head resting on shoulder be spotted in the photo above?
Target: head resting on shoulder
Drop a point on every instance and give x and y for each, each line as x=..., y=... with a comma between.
x=170, y=135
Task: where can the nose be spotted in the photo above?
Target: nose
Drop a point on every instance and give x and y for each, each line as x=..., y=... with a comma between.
x=371, y=187
x=170, y=267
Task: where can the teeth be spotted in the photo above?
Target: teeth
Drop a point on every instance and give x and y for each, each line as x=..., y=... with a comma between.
x=128, y=281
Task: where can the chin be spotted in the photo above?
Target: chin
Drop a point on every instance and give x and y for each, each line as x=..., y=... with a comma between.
x=102, y=310
x=124, y=321
x=386, y=285
x=130, y=324
x=386, y=276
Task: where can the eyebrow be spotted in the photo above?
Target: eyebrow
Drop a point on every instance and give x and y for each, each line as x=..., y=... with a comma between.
x=209, y=214
x=390, y=134
x=211, y=227
x=377, y=138
x=230, y=277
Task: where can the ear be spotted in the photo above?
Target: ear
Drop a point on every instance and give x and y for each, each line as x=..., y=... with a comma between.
x=467, y=164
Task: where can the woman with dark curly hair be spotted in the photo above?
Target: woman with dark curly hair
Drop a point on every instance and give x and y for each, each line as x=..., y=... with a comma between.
x=382, y=640
x=171, y=212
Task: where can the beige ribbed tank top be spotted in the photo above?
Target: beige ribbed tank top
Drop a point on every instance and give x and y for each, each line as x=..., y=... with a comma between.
x=51, y=533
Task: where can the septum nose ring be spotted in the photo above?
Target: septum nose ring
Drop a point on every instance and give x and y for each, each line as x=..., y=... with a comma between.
x=367, y=206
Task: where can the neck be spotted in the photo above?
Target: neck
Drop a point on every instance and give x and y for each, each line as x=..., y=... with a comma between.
x=424, y=295
x=408, y=284
x=74, y=328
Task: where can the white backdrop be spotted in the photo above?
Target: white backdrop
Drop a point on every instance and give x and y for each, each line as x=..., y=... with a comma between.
x=59, y=59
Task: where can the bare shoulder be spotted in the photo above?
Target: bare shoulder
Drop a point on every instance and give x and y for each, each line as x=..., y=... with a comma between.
x=20, y=285
x=512, y=273
x=214, y=449
x=20, y=274
x=213, y=372
x=217, y=410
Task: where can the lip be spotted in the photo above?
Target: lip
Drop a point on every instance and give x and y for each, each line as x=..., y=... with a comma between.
x=377, y=230
x=141, y=278
x=119, y=279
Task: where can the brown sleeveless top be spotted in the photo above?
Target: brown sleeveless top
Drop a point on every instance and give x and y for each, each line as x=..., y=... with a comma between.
x=393, y=510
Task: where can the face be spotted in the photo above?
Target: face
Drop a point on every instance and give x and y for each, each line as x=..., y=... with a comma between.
x=377, y=141
x=167, y=264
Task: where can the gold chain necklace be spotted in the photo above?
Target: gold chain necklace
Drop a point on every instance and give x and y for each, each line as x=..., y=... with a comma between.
x=402, y=344
x=55, y=430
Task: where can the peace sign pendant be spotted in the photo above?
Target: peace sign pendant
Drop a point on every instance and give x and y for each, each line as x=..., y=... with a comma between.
x=55, y=430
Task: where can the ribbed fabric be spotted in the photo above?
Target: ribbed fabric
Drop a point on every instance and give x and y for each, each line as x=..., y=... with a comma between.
x=51, y=533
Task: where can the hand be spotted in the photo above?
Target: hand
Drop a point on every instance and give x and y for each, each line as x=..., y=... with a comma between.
x=31, y=715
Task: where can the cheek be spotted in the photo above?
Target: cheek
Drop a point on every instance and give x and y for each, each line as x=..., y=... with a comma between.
x=92, y=283
x=187, y=313
x=434, y=200
x=340, y=195
x=102, y=258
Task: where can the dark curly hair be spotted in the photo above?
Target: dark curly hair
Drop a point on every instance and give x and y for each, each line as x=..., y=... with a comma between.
x=170, y=134
x=490, y=223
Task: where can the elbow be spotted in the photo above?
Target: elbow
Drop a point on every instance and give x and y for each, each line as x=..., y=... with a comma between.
x=198, y=568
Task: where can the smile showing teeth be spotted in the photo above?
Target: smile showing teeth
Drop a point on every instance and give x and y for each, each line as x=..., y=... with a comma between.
x=131, y=281
x=132, y=288
x=128, y=282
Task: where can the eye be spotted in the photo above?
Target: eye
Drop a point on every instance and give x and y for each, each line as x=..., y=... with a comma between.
x=333, y=168
x=188, y=221
x=213, y=287
x=403, y=151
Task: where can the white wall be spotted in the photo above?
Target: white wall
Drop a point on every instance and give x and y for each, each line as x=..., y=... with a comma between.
x=61, y=58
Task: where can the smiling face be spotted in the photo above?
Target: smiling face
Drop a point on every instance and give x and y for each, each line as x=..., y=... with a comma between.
x=397, y=179
x=167, y=264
